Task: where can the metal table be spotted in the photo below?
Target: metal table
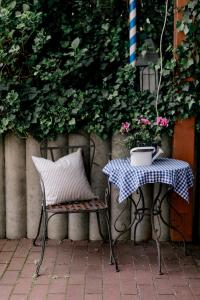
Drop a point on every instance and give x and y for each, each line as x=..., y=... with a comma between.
x=176, y=174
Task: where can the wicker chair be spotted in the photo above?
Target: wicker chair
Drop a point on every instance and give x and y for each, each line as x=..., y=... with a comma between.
x=92, y=205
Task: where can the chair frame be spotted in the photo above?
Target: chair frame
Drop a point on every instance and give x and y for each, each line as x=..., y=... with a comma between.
x=72, y=207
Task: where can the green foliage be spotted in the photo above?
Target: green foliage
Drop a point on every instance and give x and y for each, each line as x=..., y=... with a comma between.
x=65, y=67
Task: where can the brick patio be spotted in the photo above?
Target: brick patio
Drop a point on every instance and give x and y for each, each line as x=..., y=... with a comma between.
x=80, y=270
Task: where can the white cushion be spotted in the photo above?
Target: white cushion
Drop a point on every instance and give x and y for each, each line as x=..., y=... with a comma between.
x=65, y=179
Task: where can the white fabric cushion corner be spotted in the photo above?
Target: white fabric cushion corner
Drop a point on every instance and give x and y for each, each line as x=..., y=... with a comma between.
x=65, y=179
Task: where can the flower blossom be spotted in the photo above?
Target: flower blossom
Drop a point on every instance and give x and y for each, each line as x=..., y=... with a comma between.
x=144, y=121
x=125, y=128
x=163, y=122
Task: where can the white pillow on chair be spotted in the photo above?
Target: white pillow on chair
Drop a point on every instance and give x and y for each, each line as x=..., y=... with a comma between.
x=65, y=179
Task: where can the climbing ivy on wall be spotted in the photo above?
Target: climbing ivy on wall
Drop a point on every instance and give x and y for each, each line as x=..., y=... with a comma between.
x=65, y=67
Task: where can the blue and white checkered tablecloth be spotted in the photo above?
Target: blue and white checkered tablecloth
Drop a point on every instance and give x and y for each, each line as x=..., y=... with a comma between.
x=128, y=179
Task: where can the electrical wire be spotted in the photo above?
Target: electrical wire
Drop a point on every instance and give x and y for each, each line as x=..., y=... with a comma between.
x=161, y=56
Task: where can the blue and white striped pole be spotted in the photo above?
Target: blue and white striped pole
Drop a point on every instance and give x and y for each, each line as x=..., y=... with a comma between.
x=132, y=31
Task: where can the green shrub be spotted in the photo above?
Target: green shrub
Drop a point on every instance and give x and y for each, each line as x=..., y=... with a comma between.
x=65, y=66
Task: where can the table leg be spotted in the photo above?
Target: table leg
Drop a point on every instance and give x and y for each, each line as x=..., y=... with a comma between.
x=166, y=198
x=125, y=227
x=155, y=210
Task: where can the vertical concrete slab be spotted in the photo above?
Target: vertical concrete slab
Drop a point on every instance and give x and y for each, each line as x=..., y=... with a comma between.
x=98, y=183
x=119, y=151
x=33, y=188
x=143, y=228
x=58, y=224
x=163, y=230
x=2, y=192
x=15, y=186
x=78, y=225
x=166, y=145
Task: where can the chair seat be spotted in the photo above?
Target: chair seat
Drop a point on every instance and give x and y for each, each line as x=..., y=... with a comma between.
x=79, y=206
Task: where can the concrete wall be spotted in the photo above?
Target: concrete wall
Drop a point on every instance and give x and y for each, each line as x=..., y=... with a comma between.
x=20, y=192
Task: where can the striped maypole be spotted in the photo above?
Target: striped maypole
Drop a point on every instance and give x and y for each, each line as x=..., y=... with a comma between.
x=132, y=31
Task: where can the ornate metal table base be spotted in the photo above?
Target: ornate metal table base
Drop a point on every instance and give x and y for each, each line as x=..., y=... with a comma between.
x=141, y=211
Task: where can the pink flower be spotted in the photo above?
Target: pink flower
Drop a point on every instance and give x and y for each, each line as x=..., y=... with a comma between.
x=163, y=122
x=125, y=128
x=144, y=121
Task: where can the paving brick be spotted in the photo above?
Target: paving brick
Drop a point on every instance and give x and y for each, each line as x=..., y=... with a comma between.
x=32, y=256
x=111, y=277
x=111, y=292
x=5, y=257
x=23, y=286
x=168, y=297
x=9, y=277
x=28, y=270
x=77, y=278
x=57, y=297
x=147, y=292
x=196, y=290
x=21, y=252
x=2, y=269
x=183, y=293
x=38, y=292
x=128, y=287
x=178, y=278
x=144, y=277
x=164, y=286
x=94, y=286
x=18, y=297
x=75, y=292
x=16, y=264
x=93, y=297
x=42, y=279
x=61, y=269
x=94, y=271
x=10, y=245
x=5, y=291
x=130, y=297
x=2, y=243
x=57, y=286
x=194, y=282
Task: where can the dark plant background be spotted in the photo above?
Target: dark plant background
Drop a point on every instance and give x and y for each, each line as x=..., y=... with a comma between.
x=64, y=66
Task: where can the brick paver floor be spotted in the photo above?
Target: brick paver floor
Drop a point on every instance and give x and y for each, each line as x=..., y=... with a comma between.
x=80, y=270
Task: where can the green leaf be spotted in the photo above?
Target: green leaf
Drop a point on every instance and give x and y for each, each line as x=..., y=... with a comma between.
x=75, y=43
x=105, y=26
x=26, y=7
x=72, y=121
x=12, y=4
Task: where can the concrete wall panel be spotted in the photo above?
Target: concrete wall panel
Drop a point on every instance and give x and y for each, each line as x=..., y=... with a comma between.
x=2, y=192
x=15, y=184
x=33, y=189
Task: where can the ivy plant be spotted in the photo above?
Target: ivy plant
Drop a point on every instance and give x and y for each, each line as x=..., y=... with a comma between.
x=64, y=67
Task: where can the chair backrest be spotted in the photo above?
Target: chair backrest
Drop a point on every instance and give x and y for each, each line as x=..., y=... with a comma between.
x=54, y=150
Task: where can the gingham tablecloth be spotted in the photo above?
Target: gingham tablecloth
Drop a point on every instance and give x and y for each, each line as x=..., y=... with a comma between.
x=128, y=179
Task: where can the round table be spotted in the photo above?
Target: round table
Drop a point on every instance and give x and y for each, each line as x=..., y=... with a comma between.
x=177, y=174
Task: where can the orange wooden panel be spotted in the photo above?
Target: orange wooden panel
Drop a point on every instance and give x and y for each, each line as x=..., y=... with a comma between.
x=178, y=36
x=183, y=148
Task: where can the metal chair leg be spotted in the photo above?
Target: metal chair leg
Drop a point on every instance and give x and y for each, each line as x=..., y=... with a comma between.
x=39, y=226
x=112, y=252
x=99, y=226
x=39, y=263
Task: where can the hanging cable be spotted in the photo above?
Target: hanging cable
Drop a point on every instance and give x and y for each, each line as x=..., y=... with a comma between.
x=161, y=56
